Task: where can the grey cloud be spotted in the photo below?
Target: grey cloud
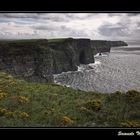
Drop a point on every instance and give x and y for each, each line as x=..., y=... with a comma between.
x=113, y=30
x=35, y=16
x=55, y=25
x=133, y=14
x=56, y=17
x=19, y=15
x=43, y=27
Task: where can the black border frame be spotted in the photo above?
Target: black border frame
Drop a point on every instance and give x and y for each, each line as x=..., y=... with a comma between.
x=82, y=131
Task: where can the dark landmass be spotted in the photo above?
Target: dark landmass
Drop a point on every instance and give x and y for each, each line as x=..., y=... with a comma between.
x=38, y=59
x=100, y=46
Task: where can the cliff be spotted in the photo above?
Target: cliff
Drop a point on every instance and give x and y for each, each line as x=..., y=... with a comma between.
x=99, y=46
x=37, y=60
x=117, y=43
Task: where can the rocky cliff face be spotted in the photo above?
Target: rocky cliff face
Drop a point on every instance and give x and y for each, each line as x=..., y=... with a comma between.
x=117, y=43
x=70, y=53
x=31, y=60
x=99, y=46
x=38, y=60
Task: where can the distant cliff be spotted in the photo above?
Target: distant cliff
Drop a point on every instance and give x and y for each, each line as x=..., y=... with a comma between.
x=99, y=46
x=117, y=43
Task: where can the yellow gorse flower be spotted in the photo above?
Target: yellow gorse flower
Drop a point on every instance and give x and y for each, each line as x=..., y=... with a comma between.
x=6, y=113
x=2, y=95
x=24, y=115
x=94, y=104
x=22, y=99
x=130, y=124
x=3, y=111
x=9, y=114
x=84, y=109
x=67, y=120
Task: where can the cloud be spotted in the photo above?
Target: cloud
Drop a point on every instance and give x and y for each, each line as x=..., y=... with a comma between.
x=113, y=26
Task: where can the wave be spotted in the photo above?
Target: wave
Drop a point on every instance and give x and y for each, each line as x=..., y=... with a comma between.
x=102, y=54
x=87, y=67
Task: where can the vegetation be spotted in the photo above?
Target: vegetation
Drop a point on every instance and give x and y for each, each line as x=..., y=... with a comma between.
x=26, y=104
x=20, y=41
x=58, y=40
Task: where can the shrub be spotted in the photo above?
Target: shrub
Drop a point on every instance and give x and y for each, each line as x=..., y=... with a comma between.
x=3, y=111
x=130, y=124
x=94, y=105
x=66, y=120
x=118, y=93
x=132, y=93
x=2, y=95
x=9, y=114
x=20, y=99
x=24, y=115
x=49, y=111
x=83, y=109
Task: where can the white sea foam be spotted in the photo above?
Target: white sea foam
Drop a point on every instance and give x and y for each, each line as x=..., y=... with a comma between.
x=96, y=55
x=97, y=62
x=83, y=67
x=80, y=68
x=102, y=54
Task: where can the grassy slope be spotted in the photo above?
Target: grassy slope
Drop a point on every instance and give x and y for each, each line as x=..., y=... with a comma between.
x=24, y=104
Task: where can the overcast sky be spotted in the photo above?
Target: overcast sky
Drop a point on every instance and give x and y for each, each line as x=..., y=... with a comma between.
x=109, y=26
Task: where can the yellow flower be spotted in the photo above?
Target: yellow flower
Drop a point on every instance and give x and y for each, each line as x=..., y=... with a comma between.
x=3, y=111
x=49, y=111
x=94, y=104
x=22, y=99
x=24, y=115
x=84, y=109
x=130, y=124
x=67, y=120
x=3, y=95
x=9, y=114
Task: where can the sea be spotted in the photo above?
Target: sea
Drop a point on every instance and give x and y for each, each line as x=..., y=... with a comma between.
x=118, y=70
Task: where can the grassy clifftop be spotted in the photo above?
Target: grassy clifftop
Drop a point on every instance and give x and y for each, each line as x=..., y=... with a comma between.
x=24, y=104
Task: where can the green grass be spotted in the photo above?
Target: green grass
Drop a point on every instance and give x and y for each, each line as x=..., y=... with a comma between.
x=58, y=40
x=26, y=104
x=22, y=42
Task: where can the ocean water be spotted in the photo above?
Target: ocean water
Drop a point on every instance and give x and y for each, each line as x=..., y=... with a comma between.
x=117, y=70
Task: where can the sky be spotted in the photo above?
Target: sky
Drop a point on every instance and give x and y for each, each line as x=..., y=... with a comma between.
x=98, y=26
